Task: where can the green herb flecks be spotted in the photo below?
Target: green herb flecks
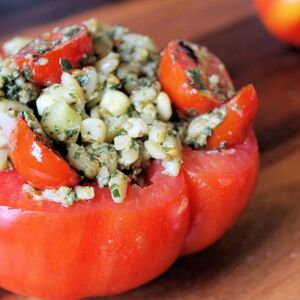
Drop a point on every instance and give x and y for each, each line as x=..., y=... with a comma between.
x=195, y=77
x=116, y=194
x=113, y=86
x=71, y=32
x=115, y=191
x=27, y=72
x=71, y=132
x=12, y=91
x=82, y=79
x=65, y=64
x=77, y=154
x=192, y=112
x=11, y=88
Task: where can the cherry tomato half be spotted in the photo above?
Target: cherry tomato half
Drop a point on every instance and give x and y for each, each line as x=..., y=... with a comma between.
x=94, y=247
x=281, y=18
x=44, y=59
x=220, y=185
x=241, y=111
x=194, y=78
x=35, y=162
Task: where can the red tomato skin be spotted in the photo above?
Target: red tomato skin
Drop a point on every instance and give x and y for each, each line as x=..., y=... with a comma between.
x=220, y=186
x=173, y=78
x=37, y=163
x=281, y=18
x=73, y=50
x=239, y=119
x=93, y=247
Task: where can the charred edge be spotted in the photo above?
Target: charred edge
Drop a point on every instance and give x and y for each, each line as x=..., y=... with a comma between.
x=189, y=51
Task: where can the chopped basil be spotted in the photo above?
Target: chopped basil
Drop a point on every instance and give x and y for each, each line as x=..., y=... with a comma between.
x=207, y=131
x=65, y=64
x=45, y=115
x=77, y=154
x=71, y=32
x=12, y=90
x=82, y=78
x=56, y=42
x=27, y=72
x=70, y=132
x=72, y=94
x=134, y=145
x=192, y=112
x=43, y=51
x=195, y=79
x=115, y=191
x=113, y=86
x=114, y=174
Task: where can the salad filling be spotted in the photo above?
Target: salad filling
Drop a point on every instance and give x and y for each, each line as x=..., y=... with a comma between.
x=103, y=110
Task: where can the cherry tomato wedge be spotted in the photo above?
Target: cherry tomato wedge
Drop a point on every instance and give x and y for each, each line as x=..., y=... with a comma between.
x=35, y=162
x=194, y=78
x=241, y=111
x=220, y=185
x=44, y=59
x=94, y=247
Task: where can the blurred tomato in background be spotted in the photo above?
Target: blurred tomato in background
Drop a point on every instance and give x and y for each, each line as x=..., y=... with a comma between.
x=281, y=18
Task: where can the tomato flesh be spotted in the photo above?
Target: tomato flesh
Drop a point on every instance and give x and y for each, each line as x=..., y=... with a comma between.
x=185, y=77
x=46, y=66
x=93, y=247
x=35, y=162
x=239, y=119
x=220, y=185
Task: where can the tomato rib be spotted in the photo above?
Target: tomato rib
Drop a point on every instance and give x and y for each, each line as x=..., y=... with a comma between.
x=220, y=185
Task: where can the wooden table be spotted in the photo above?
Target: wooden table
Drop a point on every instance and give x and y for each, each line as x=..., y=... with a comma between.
x=260, y=257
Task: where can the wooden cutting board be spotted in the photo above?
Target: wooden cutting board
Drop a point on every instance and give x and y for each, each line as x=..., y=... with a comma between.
x=259, y=258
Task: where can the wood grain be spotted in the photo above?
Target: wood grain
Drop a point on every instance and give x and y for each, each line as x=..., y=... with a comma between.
x=260, y=257
x=19, y=14
x=161, y=19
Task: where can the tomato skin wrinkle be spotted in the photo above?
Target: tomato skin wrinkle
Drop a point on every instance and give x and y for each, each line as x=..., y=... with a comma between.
x=37, y=163
x=72, y=51
x=220, y=186
x=180, y=72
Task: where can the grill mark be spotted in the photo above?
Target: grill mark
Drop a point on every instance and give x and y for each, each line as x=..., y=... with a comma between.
x=189, y=51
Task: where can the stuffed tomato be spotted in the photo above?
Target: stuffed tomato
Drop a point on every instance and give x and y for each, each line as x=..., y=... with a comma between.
x=115, y=159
